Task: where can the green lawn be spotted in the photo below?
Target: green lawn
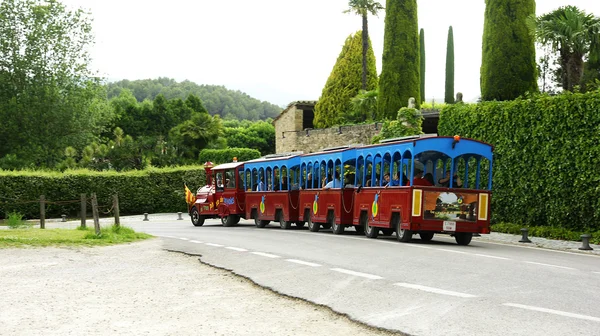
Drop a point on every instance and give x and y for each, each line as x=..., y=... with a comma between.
x=68, y=237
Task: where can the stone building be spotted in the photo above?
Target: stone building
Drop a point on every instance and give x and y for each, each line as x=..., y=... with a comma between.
x=294, y=130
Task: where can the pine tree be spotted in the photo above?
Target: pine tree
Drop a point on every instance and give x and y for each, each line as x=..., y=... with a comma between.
x=400, y=78
x=508, y=67
x=449, y=99
x=422, y=73
x=344, y=83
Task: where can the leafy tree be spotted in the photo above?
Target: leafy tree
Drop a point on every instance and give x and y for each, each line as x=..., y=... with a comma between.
x=422, y=56
x=572, y=33
x=49, y=98
x=344, y=83
x=449, y=99
x=409, y=121
x=508, y=68
x=363, y=8
x=364, y=106
x=193, y=135
x=229, y=104
x=400, y=79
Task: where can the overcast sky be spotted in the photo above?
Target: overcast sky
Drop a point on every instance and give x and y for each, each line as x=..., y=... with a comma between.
x=274, y=50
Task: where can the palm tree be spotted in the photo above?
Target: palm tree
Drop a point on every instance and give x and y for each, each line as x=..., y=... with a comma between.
x=363, y=8
x=572, y=33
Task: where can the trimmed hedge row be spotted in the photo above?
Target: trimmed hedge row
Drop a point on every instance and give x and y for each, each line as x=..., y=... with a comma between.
x=546, y=156
x=218, y=156
x=152, y=190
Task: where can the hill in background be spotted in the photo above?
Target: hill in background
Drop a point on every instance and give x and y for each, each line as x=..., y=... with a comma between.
x=229, y=104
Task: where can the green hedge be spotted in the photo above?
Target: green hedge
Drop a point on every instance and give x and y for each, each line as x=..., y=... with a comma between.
x=218, y=156
x=546, y=156
x=151, y=190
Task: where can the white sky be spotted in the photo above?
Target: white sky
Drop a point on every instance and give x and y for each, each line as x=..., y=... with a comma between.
x=274, y=50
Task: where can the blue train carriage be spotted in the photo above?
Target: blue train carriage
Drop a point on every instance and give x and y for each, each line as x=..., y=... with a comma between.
x=327, y=195
x=424, y=184
x=272, y=190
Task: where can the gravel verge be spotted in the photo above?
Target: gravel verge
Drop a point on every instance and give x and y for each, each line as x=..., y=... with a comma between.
x=140, y=289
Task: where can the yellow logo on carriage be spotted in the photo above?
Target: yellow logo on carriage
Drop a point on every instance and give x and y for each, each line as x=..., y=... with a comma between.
x=315, y=204
x=262, y=204
x=375, y=206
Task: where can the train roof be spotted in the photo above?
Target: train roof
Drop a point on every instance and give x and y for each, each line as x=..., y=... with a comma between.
x=229, y=165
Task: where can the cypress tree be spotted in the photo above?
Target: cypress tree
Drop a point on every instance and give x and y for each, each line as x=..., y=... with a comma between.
x=400, y=78
x=422, y=73
x=344, y=83
x=450, y=68
x=508, y=67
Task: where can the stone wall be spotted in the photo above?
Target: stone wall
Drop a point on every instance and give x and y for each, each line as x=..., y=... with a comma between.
x=314, y=140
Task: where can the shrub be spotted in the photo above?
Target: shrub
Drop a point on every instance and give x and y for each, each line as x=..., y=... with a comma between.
x=15, y=220
x=218, y=156
x=546, y=156
x=151, y=190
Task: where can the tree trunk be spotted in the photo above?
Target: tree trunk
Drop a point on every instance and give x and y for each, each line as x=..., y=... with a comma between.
x=365, y=47
x=574, y=71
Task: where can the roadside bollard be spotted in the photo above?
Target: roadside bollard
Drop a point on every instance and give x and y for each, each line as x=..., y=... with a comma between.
x=146, y=217
x=180, y=218
x=64, y=218
x=524, y=239
x=585, y=243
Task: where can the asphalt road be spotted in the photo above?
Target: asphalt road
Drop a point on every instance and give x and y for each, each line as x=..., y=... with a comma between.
x=436, y=288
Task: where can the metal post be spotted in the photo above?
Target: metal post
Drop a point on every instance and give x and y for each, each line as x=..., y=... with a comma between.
x=179, y=218
x=585, y=242
x=146, y=217
x=83, y=210
x=64, y=218
x=116, y=209
x=95, y=214
x=42, y=212
x=525, y=239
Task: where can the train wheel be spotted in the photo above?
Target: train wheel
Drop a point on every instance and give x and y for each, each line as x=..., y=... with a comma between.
x=426, y=236
x=286, y=225
x=230, y=220
x=387, y=232
x=370, y=232
x=401, y=234
x=197, y=220
x=463, y=238
x=336, y=228
x=260, y=223
x=312, y=226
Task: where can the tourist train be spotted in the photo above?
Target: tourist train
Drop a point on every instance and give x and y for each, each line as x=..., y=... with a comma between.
x=424, y=184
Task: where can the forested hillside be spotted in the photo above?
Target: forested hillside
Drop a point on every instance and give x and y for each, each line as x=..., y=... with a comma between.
x=228, y=104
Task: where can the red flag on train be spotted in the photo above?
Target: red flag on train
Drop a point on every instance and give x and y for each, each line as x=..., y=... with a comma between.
x=190, y=198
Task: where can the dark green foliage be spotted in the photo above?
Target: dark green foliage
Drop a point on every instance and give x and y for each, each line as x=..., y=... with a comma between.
x=344, y=83
x=49, y=98
x=400, y=78
x=152, y=191
x=508, y=68
x=546, y=156
x=422, y=62
x=572, y=35
x=218, y=156
x=449, y=97
x=228, y=104
x=258, y=135
x=408, y=122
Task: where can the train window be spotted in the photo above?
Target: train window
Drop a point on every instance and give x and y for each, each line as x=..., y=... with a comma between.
x=219, y=179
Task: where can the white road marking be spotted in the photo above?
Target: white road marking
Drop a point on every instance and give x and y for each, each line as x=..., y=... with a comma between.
x=236, y=249
x=195, y=242
x=183, y=238
x=453, y=251
x=215, y=245
x=268, y=255
x=434, y=290
x=364, y=275
x=306, y=263
x=552, y=311
x=418, y=246
x=491, y=256
x=536, y=263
